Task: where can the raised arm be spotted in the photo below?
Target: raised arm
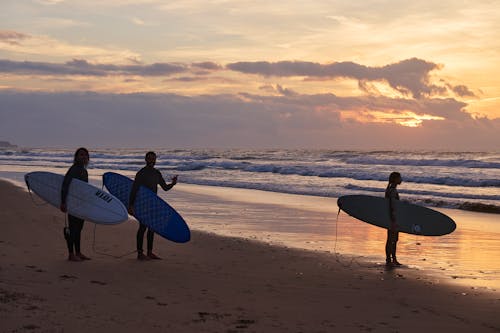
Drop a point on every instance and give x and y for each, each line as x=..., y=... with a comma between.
x=166, y=186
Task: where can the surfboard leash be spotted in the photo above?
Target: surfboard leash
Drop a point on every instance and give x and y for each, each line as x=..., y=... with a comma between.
x=107, y=254
x=33, y=199
x=337, y=254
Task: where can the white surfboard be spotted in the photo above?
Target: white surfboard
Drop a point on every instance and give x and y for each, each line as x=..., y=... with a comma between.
x=84, y=200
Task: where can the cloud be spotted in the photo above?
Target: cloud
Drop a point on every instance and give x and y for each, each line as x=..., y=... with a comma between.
x=83, y=67
x=187, y=79
x=462, y=91
x=12, y=37
x=244, y=120
x=208, y=65
x=278, y=89
x=26, y=45
x=449, y=108
x=409, y=77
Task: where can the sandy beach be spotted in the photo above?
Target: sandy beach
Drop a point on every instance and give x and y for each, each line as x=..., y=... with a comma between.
x=211, y=284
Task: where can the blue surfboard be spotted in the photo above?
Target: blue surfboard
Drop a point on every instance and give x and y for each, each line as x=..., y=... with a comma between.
x=149, y=208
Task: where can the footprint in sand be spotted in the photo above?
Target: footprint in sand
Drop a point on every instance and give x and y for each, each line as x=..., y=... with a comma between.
x=30, y=327
x=244, y=323
x=38, y=270
x=31, y=307
x=98, y=282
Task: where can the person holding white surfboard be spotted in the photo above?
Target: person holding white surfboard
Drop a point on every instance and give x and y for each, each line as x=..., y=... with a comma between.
x=150, y=178
x=75, y=225
x=391, y=193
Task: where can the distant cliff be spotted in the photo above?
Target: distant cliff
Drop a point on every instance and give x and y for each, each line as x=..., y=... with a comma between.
x=6, y=144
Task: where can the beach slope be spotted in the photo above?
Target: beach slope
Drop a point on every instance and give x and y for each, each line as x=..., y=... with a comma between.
x=211, y=284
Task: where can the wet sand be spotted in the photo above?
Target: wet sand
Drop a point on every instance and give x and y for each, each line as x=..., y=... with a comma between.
x=211, y=284
x=467, y=257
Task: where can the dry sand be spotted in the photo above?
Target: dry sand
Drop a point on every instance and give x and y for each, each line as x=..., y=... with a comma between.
x=211, y=284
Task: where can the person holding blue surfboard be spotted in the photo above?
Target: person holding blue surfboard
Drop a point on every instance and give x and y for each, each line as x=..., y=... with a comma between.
x=72, y=233
x=149, y=177
x=391, y=193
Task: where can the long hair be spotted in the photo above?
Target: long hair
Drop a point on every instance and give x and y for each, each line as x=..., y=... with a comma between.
x=393, y=176
x=78, y=151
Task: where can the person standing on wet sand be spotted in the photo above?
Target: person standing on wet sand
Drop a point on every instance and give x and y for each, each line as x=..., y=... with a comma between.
x=391, y=193
x=150, y=178
x=72, y=234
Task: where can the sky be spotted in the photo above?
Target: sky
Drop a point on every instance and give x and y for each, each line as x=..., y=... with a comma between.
x=372, y=74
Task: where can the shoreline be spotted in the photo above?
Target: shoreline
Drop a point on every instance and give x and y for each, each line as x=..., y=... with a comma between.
x=477, y=207
x=213, y=283
x=311, y=223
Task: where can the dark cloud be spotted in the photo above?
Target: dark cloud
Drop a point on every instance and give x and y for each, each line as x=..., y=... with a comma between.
x=12, y=37
x=285, y=91
x=269, y=88
x=449, y=108
x=208, y=65
x=410, y=77
x=278, y=89
x=83, y=67
x=462, y=91
x=131, y=80
x=186, y=79
x=244, y=120
x=201, y=78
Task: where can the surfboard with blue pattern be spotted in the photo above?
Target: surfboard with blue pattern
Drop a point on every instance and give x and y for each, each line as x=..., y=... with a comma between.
x=149, y=208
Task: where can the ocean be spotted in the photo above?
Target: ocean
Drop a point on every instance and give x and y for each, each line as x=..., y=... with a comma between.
x=460, y=180
x=299, y=208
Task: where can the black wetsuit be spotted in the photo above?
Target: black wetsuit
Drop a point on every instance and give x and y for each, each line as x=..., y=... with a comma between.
x=75, y=224
x=392, y=194
x=150, y=178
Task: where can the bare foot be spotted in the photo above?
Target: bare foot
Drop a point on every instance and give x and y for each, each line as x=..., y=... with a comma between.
x=141, y=256
x=73, y=257
x=153, y=256
x=82, y=256
x=396, y=263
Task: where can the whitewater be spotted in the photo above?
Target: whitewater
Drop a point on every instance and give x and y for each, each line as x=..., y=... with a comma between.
x=462, y=180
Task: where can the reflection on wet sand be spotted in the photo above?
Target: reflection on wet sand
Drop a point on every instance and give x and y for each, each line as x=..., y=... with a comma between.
x=467, y=256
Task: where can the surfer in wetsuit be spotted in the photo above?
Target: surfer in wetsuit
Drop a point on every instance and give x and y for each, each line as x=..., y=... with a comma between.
x=150, y=178
x=73, y=231
x=392, y=194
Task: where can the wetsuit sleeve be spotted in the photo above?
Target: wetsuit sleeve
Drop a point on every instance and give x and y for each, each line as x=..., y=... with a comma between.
x=135, y=188
x=163, y=184
x=65, y=185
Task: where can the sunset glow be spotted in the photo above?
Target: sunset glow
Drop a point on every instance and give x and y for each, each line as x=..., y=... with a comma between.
x=405, y=63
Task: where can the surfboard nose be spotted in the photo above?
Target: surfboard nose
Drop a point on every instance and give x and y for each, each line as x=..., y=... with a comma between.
x=26, y=180
x=178, y=233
